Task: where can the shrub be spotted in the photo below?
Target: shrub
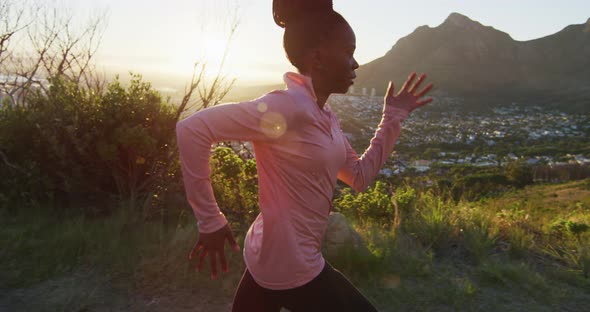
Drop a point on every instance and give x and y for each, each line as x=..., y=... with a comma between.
x=76, y=145
x=432, y=221
x=479, y=233
x=482, y=184
x=372, y=206
x=519, y=174
x=235, y=184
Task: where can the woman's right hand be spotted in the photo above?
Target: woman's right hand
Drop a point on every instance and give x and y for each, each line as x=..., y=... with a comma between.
x=408, y=98
x=212, y=245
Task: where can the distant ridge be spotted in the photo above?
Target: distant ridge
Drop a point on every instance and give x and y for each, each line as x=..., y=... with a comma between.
x=467, y=59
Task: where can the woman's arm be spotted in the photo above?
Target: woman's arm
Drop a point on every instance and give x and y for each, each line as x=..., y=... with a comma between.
x=263, y=119
x=357, y=172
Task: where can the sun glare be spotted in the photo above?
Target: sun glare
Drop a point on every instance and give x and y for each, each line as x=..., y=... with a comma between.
x=208, y=50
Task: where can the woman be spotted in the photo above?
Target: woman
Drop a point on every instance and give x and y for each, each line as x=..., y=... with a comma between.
x=300, y=153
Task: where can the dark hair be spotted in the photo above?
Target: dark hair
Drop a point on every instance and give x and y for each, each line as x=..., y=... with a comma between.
x=307, y=23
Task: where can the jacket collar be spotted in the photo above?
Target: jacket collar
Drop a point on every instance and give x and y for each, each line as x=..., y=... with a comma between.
x=300, y=83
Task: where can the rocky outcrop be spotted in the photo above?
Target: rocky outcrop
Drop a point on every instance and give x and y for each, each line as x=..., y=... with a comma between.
x=341, y=236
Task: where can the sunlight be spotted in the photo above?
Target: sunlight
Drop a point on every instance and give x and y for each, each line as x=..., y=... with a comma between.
x=208, y=49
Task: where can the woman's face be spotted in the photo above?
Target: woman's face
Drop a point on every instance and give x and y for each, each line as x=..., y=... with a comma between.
x=334, y=72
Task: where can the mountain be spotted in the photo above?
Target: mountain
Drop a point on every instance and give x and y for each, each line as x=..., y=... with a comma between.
x=467, y=59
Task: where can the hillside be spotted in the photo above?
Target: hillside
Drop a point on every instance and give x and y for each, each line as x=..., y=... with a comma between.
x=467, y=59
x=500, y=251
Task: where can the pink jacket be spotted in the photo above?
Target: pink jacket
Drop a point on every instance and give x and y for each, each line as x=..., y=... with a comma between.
x=300, y=152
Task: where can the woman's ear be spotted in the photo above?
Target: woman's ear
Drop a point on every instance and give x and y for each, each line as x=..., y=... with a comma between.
x=317, y=59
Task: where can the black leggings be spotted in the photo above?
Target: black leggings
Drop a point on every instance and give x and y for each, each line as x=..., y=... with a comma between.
x=329, y=291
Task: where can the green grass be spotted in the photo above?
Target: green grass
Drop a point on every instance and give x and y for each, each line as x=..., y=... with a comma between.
x=467, y=255
x=513, y=252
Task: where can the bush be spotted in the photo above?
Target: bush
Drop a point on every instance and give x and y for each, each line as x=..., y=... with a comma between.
x=406, y=199
x=483, y=184
x=519, y=174
x=479, y=233
x=73, y=145
x=432, y=222
x=372, y=206
x=235, y=184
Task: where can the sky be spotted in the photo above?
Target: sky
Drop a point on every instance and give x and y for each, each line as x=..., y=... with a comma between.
x=167, y=37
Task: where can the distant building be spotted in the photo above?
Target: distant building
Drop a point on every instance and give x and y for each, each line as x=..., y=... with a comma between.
x=386, y=172
x=532, y=161
x=485, y=163
x=511, y=156
x=580, y=159
x=399, y=170
x=422, y=165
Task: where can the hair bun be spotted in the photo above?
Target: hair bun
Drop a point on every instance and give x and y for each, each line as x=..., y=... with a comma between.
x=287, y=11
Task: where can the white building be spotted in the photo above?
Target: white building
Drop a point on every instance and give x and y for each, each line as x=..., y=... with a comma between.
x=422, y=165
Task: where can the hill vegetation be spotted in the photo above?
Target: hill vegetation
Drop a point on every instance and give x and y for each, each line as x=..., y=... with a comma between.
x=73, y=212
x=529, y=247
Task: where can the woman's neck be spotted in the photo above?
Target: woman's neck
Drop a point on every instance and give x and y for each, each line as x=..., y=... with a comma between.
x=322, y=99
x=320, y=95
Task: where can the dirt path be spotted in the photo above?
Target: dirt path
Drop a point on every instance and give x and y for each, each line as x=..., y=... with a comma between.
x=85, y=290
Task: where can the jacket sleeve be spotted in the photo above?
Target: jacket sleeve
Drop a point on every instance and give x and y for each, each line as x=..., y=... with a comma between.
x=261, y=120
x=357, y=172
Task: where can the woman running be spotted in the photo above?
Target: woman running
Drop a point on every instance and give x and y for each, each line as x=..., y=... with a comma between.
x=300, y=153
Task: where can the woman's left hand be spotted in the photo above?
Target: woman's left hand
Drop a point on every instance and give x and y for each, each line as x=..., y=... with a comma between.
x=408, y=99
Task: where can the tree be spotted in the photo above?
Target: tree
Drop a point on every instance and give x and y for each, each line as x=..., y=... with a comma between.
x=51, y=42
x=519, y=174
x=65, y=132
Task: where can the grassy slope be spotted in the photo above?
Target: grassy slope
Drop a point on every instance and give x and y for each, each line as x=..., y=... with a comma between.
x=517, y=265
x=121, y=263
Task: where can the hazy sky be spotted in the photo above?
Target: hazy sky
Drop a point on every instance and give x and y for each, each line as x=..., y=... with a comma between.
x=167, y=36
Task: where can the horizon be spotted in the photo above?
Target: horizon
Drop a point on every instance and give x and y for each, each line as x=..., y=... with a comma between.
x=164, y=51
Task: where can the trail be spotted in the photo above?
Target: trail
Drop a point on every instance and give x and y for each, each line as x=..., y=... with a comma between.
x=88, y=290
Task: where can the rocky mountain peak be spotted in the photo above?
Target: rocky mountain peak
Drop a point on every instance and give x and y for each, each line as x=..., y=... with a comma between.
x=467, y=59
x=459, y=20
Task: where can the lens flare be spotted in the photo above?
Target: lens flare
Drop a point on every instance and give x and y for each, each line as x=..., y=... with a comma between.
x=273, y=125
x=262, y=107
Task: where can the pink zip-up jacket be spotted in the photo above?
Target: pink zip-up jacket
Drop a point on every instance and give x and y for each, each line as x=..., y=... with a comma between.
x=300, y=152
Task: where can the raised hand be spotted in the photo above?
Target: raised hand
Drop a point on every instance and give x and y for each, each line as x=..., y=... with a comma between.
x=212, y=245
x=407, y=98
